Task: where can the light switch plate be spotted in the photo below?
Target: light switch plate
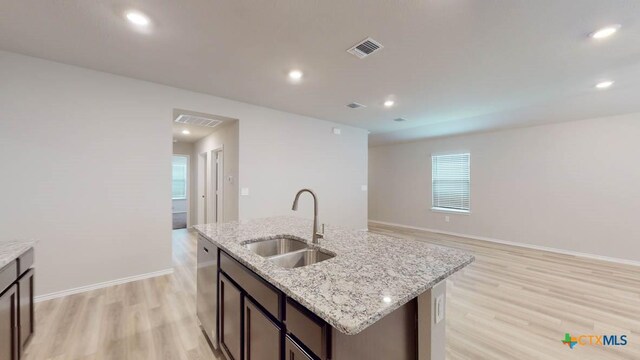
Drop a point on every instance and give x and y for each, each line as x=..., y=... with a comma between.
x=244, y=191
x=363, y=187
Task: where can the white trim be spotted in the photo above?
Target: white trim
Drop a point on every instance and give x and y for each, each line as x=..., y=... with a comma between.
x=451, y=211
x=101, y=285
x=511, y=243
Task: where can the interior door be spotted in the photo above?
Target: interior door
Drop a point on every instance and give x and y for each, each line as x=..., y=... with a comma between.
x=202, y=188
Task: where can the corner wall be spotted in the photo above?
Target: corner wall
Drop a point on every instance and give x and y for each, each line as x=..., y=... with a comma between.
x=571, y=186
x=87, y=168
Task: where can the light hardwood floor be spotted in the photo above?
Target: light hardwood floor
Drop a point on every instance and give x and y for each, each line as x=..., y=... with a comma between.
x=147, y=319
x=512, y=303
x=515, y=303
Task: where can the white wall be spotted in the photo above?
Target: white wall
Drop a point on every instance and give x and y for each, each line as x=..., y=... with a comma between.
x=86, y=167
x=571, y=186
x=278, y=158
x=227, y=138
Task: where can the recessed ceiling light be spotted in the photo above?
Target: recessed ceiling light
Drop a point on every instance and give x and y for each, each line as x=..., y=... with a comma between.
x=604, y=84
x=389, y=103
x=295, y=75
x=138, y=18
x=186, y=132
x=605, y=32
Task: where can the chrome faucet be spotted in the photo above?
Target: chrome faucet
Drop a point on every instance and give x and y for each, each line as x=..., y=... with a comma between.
x=316, y=235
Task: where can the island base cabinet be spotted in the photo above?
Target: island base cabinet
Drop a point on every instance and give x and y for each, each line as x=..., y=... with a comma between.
x=8, y=324
x=230, y=319
x=294, y=352
x=261, y=336
x=25, y=312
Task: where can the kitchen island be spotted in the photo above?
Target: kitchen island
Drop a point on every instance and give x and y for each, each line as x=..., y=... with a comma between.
x=360, y=300
x=16, y=297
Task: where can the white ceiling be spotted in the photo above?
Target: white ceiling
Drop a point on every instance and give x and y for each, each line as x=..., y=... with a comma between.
x=453, y=66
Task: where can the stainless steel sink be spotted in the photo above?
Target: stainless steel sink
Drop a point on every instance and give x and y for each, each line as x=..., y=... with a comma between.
x=271, y=247
x=301, y=258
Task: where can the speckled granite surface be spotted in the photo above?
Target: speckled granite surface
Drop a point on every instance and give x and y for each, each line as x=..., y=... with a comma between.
x=10, y=250
x=371, y=276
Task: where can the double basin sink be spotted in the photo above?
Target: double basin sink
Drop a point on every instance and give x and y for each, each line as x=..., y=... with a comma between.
x=288, y=252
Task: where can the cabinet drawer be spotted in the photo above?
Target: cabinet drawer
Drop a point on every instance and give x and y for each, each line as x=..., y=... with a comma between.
x=263, y=293
x=294, y=352
x=308, y=328
x=25, y=261
x=8, y=274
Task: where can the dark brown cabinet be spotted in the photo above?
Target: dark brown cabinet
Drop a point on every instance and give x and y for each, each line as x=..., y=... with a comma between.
x=294, y=352
x=261, y=335
x=230, y=319
x=25, y=311
x=9, y=324
x=16, y=306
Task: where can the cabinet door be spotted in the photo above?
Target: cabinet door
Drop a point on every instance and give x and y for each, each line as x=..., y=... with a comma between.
x=25, y=308
x=294, y=352
x=230, y=319
x=9, y=324
x=261, y=336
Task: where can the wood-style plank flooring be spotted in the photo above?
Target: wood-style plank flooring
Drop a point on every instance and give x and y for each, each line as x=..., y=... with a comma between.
x=147, y=319
x=512, y=303
x=515, y=303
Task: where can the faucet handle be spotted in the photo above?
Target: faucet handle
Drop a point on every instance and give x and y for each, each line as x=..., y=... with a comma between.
x=320, y=234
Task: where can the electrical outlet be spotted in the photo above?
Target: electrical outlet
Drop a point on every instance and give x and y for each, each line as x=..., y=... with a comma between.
x=439, y=309
x=446, y=218
x=337, y=131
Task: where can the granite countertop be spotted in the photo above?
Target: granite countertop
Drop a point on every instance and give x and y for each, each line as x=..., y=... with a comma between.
x=370, y=277
x=10, y=250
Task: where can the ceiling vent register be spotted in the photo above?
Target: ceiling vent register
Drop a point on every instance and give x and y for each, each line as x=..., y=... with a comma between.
x=197, y=120
x=365, y=48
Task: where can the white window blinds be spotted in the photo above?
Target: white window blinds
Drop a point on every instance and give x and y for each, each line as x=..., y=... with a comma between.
x=451, y=182
x=179, y=177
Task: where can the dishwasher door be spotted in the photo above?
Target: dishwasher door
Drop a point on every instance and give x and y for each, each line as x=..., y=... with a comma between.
x=207, y=289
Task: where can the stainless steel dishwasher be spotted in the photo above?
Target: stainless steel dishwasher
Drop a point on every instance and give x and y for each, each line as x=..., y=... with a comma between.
x=207, y=289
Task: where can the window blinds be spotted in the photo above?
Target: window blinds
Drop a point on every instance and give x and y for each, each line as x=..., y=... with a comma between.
x=451, y=181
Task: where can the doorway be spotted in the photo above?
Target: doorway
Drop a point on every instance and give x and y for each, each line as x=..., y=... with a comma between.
x=180, y=191
x=210, y=187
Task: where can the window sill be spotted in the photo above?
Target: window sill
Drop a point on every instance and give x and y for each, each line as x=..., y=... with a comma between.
x=451, y=211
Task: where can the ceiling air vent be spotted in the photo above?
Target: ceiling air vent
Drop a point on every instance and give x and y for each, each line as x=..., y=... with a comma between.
x=197, y=120
x=365, y=48
x=399, y=119
x=355, y=105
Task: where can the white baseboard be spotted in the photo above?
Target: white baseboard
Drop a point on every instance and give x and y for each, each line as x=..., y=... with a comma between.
x=101, y=285
x=511, y=243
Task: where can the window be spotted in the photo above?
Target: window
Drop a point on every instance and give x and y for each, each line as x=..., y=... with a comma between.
x=179, y=177
x=450, y=182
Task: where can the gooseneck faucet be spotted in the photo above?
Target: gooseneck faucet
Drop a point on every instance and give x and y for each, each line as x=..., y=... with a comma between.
x=316, y=235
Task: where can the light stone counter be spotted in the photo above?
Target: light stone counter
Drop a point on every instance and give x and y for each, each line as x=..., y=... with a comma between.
x=10, y=250
x=370, y=276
